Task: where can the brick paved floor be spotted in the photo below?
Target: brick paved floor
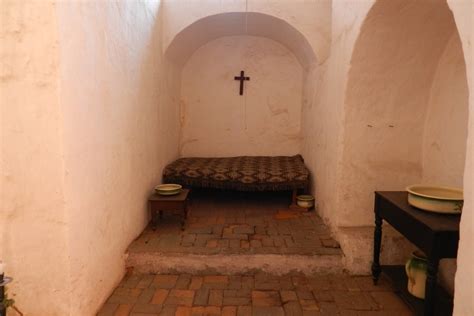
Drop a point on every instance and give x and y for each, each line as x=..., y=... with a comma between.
x=240, y=223
x=259, y=294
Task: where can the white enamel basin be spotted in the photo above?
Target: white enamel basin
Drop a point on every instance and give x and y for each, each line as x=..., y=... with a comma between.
x=438, y=199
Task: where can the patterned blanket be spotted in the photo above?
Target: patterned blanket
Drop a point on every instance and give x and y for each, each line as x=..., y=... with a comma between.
x=246, y=173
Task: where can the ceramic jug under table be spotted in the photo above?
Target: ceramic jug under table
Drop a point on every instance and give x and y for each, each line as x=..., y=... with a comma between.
x=416, y=268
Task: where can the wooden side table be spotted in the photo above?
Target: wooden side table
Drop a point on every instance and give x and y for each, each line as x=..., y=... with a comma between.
x=158, y=204
x=437, y=235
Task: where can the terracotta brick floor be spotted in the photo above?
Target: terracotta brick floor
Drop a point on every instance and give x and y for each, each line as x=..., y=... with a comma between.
x=257, y=294
x=245, y=223
x=223, y=222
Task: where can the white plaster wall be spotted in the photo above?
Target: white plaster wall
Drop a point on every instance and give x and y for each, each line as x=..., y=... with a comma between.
x=33, y=223
x=445, y=134
x=323, y=111
x=37, y=121
x=217, y=121
x=463, y=304
x=120, y=128
x=240, y=23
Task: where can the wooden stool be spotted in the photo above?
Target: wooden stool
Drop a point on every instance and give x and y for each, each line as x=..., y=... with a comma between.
x=168, y=203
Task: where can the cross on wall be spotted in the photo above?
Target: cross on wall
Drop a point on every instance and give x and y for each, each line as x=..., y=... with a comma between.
x=241, y=78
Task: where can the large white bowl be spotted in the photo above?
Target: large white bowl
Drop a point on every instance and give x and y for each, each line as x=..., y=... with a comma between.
x=436, y=199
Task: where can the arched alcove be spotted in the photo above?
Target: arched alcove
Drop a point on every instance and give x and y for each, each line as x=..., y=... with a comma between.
x=266, y=119
x=186, y=42
x=405, y=105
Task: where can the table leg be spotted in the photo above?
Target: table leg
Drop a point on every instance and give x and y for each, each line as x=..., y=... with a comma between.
x=377, y=243
x=430, y=285
x=185, y=217
x=153, y=218
x=293, y=196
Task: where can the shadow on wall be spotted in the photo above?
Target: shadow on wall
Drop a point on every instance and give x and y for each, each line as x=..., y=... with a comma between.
x=405, y=107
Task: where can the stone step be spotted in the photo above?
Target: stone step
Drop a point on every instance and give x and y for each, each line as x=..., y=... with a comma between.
x=279, y=264
x=232, y=234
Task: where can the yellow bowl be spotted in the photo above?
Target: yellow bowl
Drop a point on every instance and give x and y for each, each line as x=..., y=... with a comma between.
x=438, y=199
x=168, y=189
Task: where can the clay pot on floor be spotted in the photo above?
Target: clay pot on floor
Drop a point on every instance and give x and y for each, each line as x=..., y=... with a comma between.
x=305, y=201
x=416, y=268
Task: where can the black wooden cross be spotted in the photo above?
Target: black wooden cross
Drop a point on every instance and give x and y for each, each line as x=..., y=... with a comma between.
x=242, y=78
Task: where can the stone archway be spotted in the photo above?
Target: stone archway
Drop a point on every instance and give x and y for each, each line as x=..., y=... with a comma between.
x=397, y=80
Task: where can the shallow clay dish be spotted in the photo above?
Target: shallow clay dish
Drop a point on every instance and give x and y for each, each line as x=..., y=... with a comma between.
x=436, y=199
x=168, y=189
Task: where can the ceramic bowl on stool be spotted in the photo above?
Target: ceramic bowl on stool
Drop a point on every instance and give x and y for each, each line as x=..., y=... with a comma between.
x=168, y=189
